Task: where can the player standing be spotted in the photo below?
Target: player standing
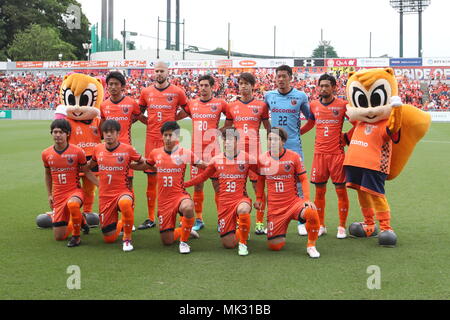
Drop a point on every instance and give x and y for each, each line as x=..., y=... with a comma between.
x=328, y=115
x=161, y=101
x=285, y=105
x=205, y=114
x=282, y=168
x=170, y=163
x=115, y=194
x=246, y=115
x=231, y=168
x=121, y=108
x=63, y=162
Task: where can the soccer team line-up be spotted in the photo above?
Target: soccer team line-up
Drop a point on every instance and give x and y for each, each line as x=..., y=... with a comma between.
x=379, y=145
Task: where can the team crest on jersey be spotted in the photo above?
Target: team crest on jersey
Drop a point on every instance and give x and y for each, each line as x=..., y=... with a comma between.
x=241, y=167
x=178, y=160
x=169, y=98
x=335, y=113
x=125, y=110
x=287, y=167
x=255, y=110
x=95, y=130
x=368, y=129
x=70, y=160
x=120, y=159
x=213, y=108
x=293, y=102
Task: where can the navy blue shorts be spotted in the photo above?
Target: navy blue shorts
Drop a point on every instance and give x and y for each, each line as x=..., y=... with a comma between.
x=364, y=179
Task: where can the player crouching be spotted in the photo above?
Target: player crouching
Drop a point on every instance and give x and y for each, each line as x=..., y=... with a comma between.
x=62, y=163
x=170, y=163
x=281, y=168
x=115, y=194
x=232, y=168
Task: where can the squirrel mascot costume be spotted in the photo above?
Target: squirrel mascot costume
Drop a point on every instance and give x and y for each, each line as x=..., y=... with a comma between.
x=384, y=135
x=81, y=96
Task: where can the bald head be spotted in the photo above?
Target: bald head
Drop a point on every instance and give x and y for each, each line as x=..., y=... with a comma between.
x=161, y=74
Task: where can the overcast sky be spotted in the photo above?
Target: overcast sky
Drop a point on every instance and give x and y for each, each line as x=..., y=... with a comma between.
x=346, y=23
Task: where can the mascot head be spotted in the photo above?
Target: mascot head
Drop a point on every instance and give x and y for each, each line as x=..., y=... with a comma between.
x=82, y=96
x=369, y=93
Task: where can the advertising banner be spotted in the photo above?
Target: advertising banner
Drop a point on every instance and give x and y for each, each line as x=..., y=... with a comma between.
x=341, y=63
x=424, y=73
x=405, y=62
x=373, y=62
x=5, y=114
x=309, y=63
x=444, y=62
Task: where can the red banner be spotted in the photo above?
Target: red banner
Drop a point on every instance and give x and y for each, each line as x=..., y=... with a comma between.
x=341, y=63
x=81, y=64
x=29, y=64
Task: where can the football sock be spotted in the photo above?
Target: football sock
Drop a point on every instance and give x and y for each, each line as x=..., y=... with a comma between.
x=343, y=205
x=319, y=201
x=75, y=215
x=382, y=211
x=312, y=225
x=88, y=194
x=276, y=246
x=198, y=204
x=244, y=228
x=151, y=195
x=69, y=229
x=126, y=207
x=186, y=227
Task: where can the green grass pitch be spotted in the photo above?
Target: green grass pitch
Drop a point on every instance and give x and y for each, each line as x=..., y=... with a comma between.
x=34, y=266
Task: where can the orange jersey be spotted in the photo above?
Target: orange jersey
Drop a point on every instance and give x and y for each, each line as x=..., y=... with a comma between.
x=205, y=117
x=113, y=167
x=232, y=176
x=247, y=118
x=64, y=166
x=329, y=120
x=170, y=169
x=370, y=147
x=162, y=106
x=121, y=111
x=85, y=134
x=281, y=177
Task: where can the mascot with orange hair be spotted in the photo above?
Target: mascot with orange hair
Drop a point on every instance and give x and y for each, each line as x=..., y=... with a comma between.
x=384, y=136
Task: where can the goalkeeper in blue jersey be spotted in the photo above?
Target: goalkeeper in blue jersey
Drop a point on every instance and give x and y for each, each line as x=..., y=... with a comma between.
x=286, y=104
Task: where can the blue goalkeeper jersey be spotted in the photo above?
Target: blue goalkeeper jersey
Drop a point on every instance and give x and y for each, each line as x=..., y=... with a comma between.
x=285, y=112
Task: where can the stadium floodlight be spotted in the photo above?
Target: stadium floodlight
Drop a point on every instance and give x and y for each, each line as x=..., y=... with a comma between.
x=87, y=46
x=410, y=7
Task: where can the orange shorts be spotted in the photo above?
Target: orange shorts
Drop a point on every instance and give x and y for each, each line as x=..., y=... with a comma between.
x=328, y=165
x=109, y=210
x=227, y=216
x=168, y=210
x=278, y=218
x=61, y=214
x=149, y=147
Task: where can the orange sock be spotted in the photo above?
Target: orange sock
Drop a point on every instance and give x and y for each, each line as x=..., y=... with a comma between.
x=244, y=228
x=88, y=194
x=312, y=225
x=126, y=207
x=177, y=233
x=343, y=205
x=151, y=195
x=319, y=201
x=198, y=204
x=75, y=216
x=186, y=226
x=69, y=229
x=260, y=212
x=276, y=246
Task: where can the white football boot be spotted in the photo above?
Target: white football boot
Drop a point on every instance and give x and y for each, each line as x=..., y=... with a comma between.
x=127, y=246
x=342, y=233
x=312, y=252
x=302, y=229
x=184, y=248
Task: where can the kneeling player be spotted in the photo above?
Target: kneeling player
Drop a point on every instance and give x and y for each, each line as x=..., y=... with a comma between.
x=63, y=162
x=170, y=163
x=282, y=168
x=232, y=167
x=115, y=194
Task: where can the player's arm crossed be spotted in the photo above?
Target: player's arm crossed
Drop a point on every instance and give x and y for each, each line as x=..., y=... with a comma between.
x=86, y=169
x=142, y=165
x=209, y=172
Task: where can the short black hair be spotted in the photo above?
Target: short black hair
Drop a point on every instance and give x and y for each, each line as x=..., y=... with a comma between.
x=282, y=133
x=329, y=77
x=116, y=75
x=230, y=132
x=248, y=77
x=207, y=77
x=110, y=125
x=170, y=126
x=284, y=67
x=62, y=124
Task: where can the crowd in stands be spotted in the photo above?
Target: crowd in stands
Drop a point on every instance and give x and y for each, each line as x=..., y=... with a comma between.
x=41, y=90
